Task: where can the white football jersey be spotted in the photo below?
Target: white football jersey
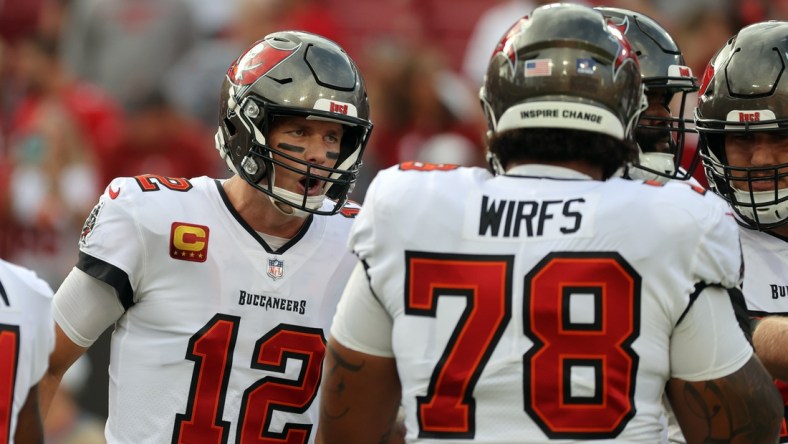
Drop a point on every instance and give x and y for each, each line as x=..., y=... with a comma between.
x=27, y=337
x=221, y=335
x=765, y=285
x=541, y=306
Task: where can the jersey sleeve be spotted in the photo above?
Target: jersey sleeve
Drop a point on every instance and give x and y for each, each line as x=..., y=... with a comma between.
x=77, y=292
x=708, y=344
x=389, y=204
x=361, y=323
x=110, y=245
x=718, y=259
x=361, y=240
x=35, y=295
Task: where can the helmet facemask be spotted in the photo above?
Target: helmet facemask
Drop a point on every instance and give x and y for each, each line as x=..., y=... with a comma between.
x=661, y=141
x=745, y=93
x=761, y=210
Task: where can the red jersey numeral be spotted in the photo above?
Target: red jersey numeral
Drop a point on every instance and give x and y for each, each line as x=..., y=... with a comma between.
x=448, y=409
x=271, y=393
x=427, y=166
x=211, y=349
x=598, y=343
x=151, y=182
x=9, y=359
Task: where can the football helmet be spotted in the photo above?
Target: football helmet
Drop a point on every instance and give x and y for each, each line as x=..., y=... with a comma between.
x=664, y=75
x=562, y=67
x=745, y=90
x=300, y=74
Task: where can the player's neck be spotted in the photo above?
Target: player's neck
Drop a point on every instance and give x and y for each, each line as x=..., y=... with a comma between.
x=256, y=208
x=781, y=232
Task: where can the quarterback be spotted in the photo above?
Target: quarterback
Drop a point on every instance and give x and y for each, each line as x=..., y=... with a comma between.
x=221, y=292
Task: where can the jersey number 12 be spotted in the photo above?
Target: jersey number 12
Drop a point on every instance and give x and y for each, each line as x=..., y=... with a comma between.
x=211, y=349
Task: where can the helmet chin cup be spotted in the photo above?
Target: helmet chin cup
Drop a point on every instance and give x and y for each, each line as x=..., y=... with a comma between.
x=649, y=164
x=294, y=204
x=761, y=206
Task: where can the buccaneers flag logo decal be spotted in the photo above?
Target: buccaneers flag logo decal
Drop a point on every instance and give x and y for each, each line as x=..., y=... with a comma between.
x=256, y=62
x=506, y=44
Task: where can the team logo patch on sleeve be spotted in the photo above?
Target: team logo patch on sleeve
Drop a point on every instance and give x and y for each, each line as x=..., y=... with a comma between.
x=90, y=223
x=189, y=242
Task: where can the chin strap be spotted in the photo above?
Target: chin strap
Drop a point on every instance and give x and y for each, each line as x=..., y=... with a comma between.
x=287, y=208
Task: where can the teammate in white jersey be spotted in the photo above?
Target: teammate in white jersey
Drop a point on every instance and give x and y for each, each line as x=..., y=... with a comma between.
x=742, y=118
x=27, y=336
x=222, y=291
x=545, y=302
x=660, y=133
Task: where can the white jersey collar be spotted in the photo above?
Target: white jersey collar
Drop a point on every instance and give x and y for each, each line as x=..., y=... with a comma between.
x=541, y=170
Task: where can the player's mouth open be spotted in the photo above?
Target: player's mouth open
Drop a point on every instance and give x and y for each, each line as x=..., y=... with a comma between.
x=311, y=186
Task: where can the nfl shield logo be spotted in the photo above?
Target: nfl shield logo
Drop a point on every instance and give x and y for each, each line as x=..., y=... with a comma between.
x=276, y=268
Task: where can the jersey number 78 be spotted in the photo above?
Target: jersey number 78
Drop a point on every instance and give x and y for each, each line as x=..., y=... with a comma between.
x=598, y=344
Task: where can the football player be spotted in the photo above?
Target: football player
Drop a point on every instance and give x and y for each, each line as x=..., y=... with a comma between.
x=661, y=133
x=27, y=336
x=742, y=118
x=221, y=291
x=528, y=306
